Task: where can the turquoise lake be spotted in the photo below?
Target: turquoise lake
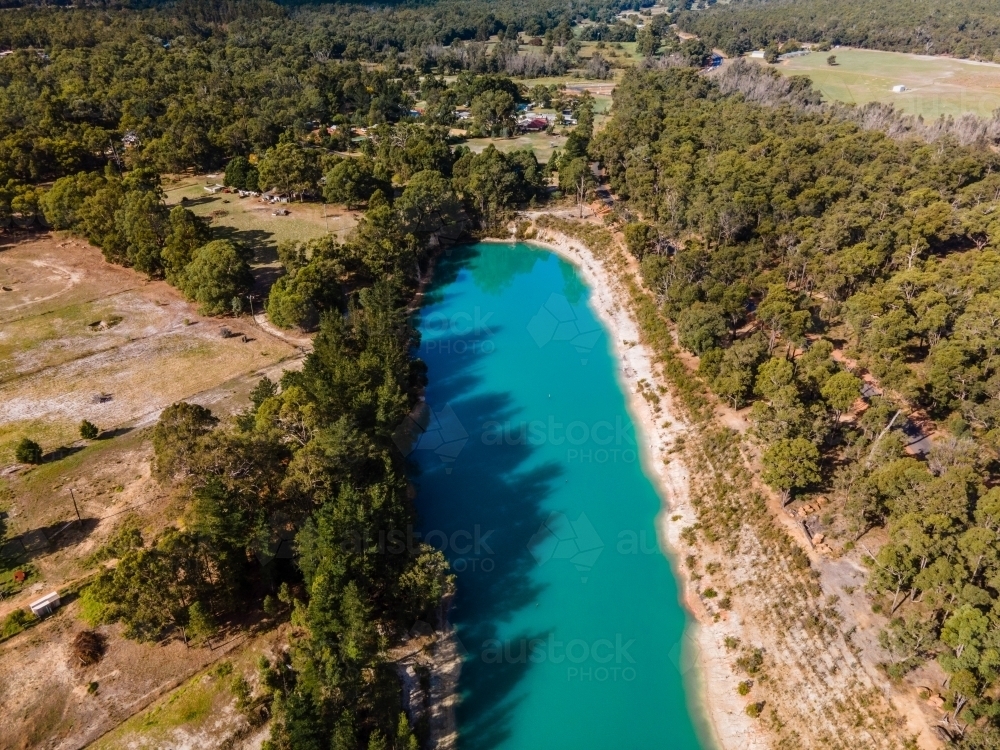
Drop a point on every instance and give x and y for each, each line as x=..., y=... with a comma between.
x=529, y=478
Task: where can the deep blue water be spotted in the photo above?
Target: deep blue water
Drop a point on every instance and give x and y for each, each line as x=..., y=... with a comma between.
x=529, y=478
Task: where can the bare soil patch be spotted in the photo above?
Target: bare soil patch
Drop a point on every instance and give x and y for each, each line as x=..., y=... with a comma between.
x=45, y=700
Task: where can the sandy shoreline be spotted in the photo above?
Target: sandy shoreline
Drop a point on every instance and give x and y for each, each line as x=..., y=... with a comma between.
x=717, y=709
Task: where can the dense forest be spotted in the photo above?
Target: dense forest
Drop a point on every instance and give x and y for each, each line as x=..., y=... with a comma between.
x=960, y=28
x=796, y=253
x=286, y=508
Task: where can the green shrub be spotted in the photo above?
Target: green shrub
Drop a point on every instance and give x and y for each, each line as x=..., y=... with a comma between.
x=28, y=452
x=92, y=611
x=15, y=622
x=754, y=710
x=751, y=661
x=744, y=687
x=200, y=622
x=88, y=430
x=241, y=691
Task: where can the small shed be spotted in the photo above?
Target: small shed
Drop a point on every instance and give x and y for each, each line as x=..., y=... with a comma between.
x=898, y=89
x=757, y=54
x=46, y=605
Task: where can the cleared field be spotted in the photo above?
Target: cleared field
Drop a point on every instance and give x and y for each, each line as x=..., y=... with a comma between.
x=74, y=327
x=252, y=221
x=541, y=143
x=935, y=86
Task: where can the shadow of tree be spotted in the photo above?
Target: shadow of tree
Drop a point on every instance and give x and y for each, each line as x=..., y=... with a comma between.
x=117, y=432
x=487, y=493
x=257, y=240
x=46, y=540
x=199, y=201
x=63, y=451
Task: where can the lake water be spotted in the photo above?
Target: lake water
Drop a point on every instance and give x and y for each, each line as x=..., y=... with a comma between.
x=529, y=478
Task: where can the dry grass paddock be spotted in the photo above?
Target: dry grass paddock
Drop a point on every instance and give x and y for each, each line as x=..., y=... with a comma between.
x=74, y=328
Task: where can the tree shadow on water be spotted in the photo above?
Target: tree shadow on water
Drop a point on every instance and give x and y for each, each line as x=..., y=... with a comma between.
x=446, y=269
x=489, y=684
x=484, y=504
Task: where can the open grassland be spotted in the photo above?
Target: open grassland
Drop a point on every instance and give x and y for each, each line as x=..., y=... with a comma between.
x=935, y=86
x=250, y=220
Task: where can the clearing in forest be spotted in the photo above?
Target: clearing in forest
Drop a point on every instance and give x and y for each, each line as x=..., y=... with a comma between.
x=83, y=339
x=935, y=86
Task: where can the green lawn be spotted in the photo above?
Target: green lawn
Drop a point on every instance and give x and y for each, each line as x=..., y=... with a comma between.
x=935, y=85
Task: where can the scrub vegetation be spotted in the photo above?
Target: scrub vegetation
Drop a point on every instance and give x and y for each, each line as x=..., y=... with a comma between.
x=803, y=258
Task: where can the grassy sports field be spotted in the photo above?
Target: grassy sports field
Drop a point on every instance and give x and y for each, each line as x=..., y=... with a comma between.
x=935, y=86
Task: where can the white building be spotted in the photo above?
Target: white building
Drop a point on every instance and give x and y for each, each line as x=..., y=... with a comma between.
x=899, y=89
x=46, y=605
